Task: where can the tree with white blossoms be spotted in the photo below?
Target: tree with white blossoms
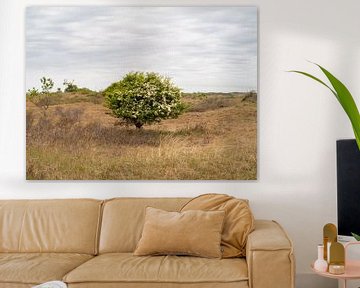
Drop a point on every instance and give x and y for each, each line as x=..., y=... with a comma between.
x=144, y=98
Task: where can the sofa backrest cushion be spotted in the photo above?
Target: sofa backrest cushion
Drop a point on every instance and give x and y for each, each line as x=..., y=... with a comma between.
x=123, y=220
x=66, y=226
x=239, y=220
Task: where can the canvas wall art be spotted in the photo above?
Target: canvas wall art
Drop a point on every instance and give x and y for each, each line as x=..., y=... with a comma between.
x=141, y=93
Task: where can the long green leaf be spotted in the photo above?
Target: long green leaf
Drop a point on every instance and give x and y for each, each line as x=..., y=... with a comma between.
x=316, y=79
x=347, y=102
x=356, y=236
x=344, y=97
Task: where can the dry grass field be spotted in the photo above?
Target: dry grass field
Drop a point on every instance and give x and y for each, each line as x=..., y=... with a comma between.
x=78, y=138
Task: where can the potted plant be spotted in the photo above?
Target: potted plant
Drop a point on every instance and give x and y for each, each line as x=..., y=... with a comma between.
x=348, y=183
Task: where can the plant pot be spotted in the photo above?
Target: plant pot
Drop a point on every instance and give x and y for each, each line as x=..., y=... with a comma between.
x=348, y=187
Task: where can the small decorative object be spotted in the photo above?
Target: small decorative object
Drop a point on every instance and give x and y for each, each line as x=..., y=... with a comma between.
x=337, y=258
x=330, y=236
x=320, y=264
x=336, y=269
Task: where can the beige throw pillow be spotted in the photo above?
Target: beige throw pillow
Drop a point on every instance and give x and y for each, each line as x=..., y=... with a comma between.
x=194, y=232
x=239, y=220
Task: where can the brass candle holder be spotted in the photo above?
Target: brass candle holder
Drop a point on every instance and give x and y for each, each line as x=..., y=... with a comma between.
x=337, y=258
x=330, y=236
x=334, y=252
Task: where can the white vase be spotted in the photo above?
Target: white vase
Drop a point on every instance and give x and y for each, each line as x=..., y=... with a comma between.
x=320, y=264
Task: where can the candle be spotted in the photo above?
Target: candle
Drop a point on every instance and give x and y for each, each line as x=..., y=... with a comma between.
x=336, y=269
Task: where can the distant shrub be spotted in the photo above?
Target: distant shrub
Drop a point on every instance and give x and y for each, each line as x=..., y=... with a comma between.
x=46, y=85
x=31, y=93
x=144, y=98
x=85, y=91
x=42, y=99
x=70, y=86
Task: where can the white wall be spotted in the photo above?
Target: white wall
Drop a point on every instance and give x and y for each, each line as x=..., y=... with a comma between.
x=299, y=121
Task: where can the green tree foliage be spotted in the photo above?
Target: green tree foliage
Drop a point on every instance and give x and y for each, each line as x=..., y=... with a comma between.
x=46, y=85
x=70, y=86
x=42, y=99
x=32, y=93
x=144, y=98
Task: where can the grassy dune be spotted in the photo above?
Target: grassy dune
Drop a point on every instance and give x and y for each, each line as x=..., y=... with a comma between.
x=80, y=139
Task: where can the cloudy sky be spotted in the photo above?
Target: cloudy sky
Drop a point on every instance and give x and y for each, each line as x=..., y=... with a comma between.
x=200, y=48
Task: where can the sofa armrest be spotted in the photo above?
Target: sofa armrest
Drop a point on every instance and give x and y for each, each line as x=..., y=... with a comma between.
x=269, y=256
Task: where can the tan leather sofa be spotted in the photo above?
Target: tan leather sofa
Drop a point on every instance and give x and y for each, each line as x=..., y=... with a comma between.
x=89, y=243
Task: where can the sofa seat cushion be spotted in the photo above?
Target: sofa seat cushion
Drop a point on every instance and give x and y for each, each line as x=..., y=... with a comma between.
x=36, y=268
x=127, y=268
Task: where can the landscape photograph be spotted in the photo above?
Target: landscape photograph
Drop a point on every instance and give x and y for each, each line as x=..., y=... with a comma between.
x=141, y=93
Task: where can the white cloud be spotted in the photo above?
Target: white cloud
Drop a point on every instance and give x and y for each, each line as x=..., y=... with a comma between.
x=201, y=48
